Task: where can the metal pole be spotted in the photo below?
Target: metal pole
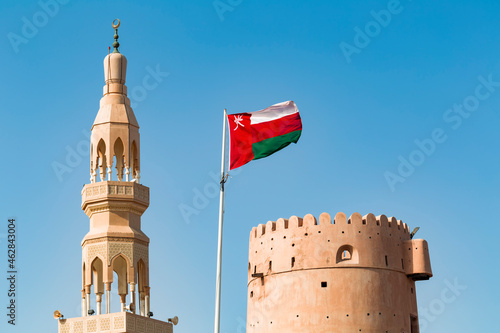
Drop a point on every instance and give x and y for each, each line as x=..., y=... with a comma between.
x=221, y=218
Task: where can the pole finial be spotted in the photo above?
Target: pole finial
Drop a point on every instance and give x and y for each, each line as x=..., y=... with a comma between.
x=115, y=25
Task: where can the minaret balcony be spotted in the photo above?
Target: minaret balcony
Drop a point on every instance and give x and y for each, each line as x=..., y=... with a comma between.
x=115, y=191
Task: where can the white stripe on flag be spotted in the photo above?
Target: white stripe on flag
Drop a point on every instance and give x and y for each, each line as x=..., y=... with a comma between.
x=273, y=112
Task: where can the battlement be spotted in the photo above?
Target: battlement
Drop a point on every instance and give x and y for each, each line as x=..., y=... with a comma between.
x=308, y=243
x=325, y=219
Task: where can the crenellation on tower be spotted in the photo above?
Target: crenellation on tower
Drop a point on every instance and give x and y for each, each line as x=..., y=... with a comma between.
x=349, y=267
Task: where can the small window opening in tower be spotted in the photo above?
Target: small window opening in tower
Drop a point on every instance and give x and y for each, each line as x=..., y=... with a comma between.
x=386, y=261
x=323, y=284
x=270, y=265
x=293, y=261
x=402, y=264
x=347, y=253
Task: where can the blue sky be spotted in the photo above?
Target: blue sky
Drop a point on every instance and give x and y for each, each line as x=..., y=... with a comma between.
x=404, y=123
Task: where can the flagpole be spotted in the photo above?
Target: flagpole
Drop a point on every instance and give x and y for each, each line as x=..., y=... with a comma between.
x=221, y=219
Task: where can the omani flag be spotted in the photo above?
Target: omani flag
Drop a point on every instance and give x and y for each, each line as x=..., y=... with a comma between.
x=255, y=135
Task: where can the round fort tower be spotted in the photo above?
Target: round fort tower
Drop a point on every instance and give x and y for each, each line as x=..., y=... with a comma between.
x=353, y=274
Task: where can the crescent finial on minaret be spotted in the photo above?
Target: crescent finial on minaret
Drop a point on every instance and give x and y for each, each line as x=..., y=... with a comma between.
x=116, y=45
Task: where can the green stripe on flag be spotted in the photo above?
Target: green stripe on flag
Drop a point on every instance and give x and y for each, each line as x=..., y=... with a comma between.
x=269, y=146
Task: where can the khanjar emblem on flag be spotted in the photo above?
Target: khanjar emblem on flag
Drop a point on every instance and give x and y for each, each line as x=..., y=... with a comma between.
x=255, y=135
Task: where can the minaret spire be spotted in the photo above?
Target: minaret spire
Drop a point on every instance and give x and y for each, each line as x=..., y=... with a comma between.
x=116, y=45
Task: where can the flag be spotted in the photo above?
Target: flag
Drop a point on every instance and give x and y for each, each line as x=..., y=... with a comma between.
x=255, y=135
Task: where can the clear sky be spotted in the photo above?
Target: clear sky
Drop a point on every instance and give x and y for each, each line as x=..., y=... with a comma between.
x=400, y=112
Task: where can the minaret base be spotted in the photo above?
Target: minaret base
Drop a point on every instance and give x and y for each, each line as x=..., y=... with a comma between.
x=120, y=322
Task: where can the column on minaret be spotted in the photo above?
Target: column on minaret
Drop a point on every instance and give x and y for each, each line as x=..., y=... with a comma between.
x=147, y=305
x=127, y=174
x=141, y=297
x=92, y=167
x=84, y=303
x=98, y=298
x=87, y=298
x=132, y=295
x=134, y=161
x=109, y=170
x=92, y=176
x=108, y=297
x=84, y=289
x=142, y=287
x=123, y=299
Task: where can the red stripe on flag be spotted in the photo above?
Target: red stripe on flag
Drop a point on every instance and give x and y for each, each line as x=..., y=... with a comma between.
x=277, y=127
x=240, y=140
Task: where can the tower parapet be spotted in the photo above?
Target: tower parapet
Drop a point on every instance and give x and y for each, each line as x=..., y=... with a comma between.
x=334, y=275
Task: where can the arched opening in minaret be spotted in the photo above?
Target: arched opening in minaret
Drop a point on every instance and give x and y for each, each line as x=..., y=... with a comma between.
x=97, y=276
x=96, y=279
x=101, y=159
x=114, y=302
x=119, y=265
x=120, y=268
x=118, y=158
x=134, y=162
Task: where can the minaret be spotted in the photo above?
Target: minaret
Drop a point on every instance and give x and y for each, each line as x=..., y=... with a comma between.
x=115, y=201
